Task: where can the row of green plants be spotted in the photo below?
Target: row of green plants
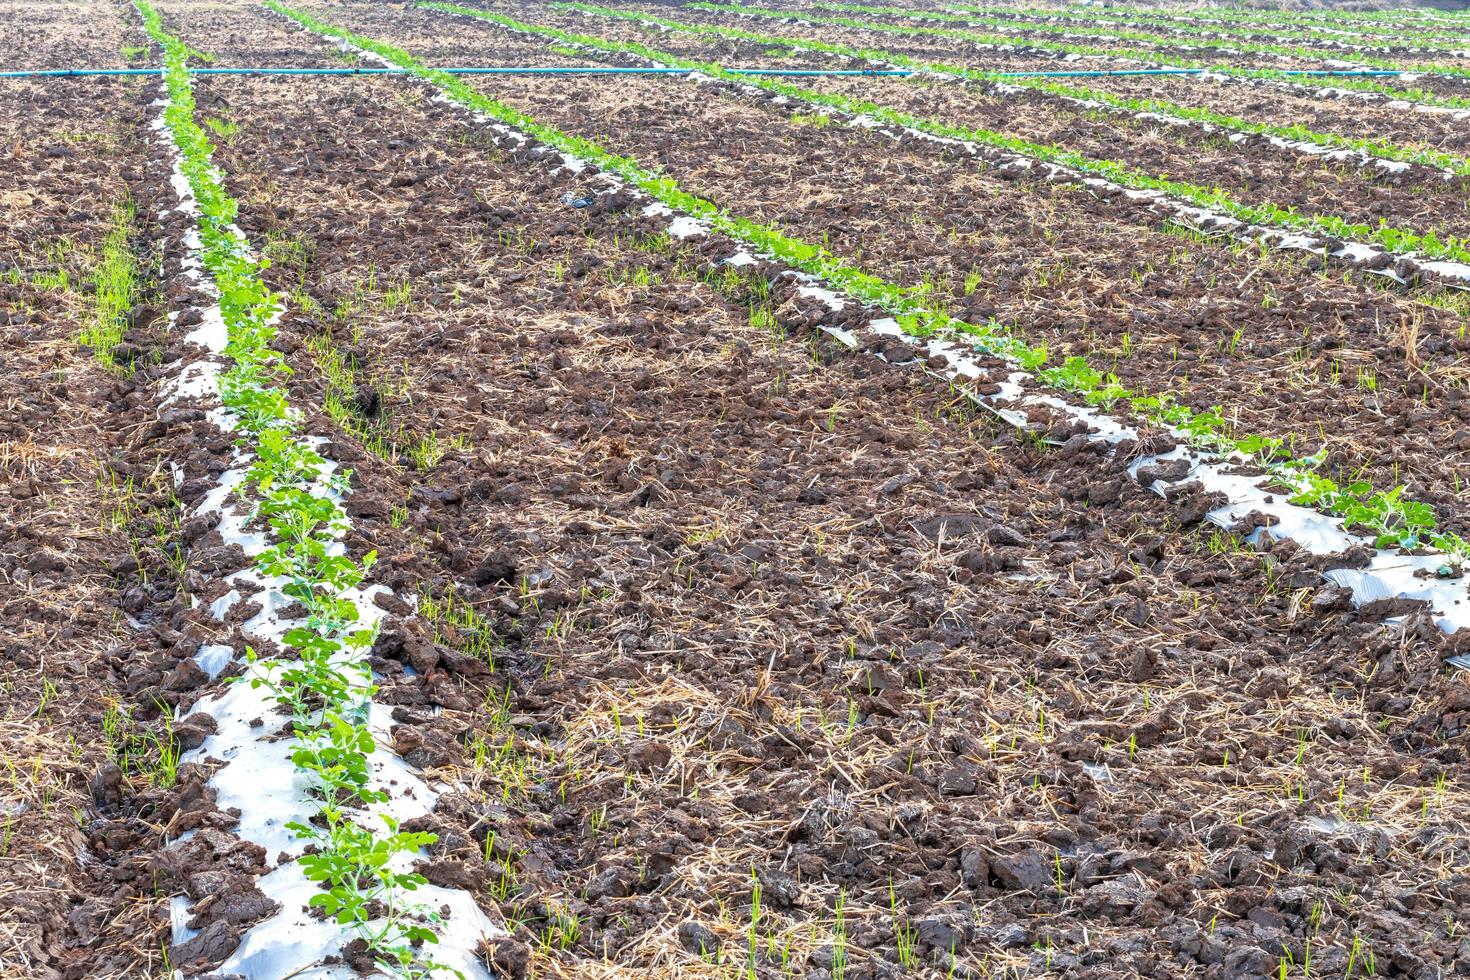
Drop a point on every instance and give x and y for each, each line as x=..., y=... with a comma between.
x=1369, y=86
x=1418, y=36
x=1377, y=148
x=1145, y=56
x=1141, y=37
x=1397, y=240
x=1393, y=520
x=324, y=682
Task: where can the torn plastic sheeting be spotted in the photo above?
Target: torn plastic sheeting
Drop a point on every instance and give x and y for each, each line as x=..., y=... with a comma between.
x=1393, y=576
x=213, y=658
x=825, y=296
x=198, y=380
x=685, y=226
x=220, y=608
x=262, y=781
x=305, y=943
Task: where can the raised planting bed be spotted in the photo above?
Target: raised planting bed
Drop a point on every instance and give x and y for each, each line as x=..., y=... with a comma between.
x=1304, y=172
x=1347, y=114
x=1339, y=140
x=1287, y=53
x=1424, y=35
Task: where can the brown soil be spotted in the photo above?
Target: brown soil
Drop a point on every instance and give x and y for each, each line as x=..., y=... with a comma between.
x=1252, y=172
x=1420, y=199
x=1351, y=117
x=1380, y=35
x=56, y=36
x=952, y=50
x=1170, y=47
x=1263, y=104
x=719, y=608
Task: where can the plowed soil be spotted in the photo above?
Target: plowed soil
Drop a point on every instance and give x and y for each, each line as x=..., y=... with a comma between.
x=735, y=651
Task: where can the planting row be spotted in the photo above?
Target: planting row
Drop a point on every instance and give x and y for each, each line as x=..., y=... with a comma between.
x=602, y=555
x=1001, y=146
x=1386, y=134
x=1379, y=122
x=340, y=879
x=1425, y=35
x=641, y=482
x=1388, y=518
x=1333, y=21
x=746, y=44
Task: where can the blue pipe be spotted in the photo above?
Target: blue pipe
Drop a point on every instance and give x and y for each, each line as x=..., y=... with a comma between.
x=73, y=72
x=816, y=71
x=79, y=72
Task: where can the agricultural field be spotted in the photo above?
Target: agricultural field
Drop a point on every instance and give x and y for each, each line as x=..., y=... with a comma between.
x=825, y=490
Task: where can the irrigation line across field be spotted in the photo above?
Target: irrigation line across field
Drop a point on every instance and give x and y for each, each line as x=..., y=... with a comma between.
x=1374, y=149
x=1394, y=519
x=505, y=70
